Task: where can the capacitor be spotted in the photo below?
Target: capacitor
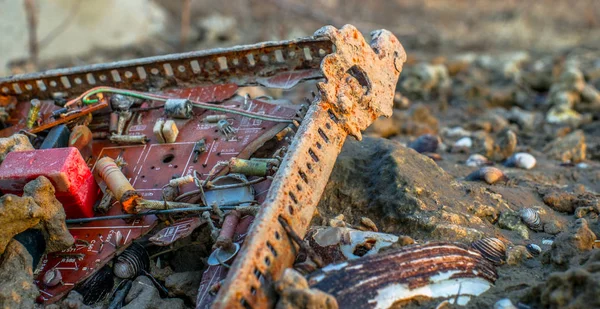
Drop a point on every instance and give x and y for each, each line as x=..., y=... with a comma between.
x=157, y=130
x=34, y=111
x=170, y=131
x=178, y=108
x=128, y=139
x=119, y=102
x=81, y=137
x=58, y=137
x=225, y=239
x=118, y=184
x=59, y=112
x=249, y=167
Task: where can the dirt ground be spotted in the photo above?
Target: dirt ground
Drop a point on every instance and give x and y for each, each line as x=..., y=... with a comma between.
x=476, y=70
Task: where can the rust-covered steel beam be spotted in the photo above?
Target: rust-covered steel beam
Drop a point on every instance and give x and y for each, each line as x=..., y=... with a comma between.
x=359, y=85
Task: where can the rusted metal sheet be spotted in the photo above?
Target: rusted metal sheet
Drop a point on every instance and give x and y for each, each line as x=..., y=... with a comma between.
x=276, y=64
x=359, y=87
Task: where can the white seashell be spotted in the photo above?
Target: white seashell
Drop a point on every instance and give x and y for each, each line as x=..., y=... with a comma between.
x=477, y=160
x=521, y=160
x=531, y=218
x=456, y=132
x=464, y=142
x=534, y=249
x=433, y=270
x=582, y=165
x=547, y=242
x=504, y=303
x=493, y=249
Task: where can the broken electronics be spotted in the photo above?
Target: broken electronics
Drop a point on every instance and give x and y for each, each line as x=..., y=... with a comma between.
x=139, y=158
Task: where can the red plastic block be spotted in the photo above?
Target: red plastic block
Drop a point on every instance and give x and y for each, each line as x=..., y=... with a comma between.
x=73, y=181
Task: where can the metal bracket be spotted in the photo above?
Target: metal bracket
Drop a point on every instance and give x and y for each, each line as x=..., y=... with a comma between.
x=359, y=87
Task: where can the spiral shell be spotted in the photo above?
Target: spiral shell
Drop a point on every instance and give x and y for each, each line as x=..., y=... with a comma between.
x=131, y=262
x=534, y=249
x=493, y=249
x=425, y=143
x=488, y=174
x=531, y=218
x=477, y=160
x=521, y=160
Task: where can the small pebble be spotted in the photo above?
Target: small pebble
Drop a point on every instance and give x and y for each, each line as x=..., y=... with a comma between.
x=465, y=142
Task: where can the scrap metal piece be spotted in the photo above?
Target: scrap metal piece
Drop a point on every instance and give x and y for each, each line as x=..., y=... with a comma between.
x=359, y=87
x=179, y=229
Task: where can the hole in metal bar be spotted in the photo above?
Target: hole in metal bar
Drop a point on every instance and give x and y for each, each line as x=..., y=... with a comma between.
x=293, y=197
x=52, y=83
x=41, y=85
x=128, y=74
x=303, y=176
x=279, y=56
x=313, y=155
x=250, y=58
x=90, y=79
x=28, y=87
x=323, y=136
x=307, y=54
x=77, y=80
x=115, y=76
x=168, y=69
x=181, y=68
x=272, y=249
x=222, y=63
x=195, y=66
x=65, y=81
x=141, y=72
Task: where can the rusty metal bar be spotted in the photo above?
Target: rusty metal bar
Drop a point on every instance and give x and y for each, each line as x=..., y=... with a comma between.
x=243, y=65
x=359, y=87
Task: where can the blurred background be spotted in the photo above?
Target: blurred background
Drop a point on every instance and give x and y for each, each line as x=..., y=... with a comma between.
x=43, y=34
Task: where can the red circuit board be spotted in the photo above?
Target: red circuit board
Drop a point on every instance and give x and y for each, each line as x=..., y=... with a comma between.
x=149, y=167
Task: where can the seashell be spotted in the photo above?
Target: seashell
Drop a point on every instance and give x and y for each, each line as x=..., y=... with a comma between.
x=432, y=270
x=493, y=249
x=534, y=249
x=335, y=244
x=521, y=160
x=97, y=287
x=425, y=143
x=488, y=174
x=131, y=262
x=504, y=303
x=477, y=160
x=465, y=142
x=531, y=218
x=547, y=242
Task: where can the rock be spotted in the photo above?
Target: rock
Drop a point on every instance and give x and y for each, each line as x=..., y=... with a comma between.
x=525, y=119
x=510, y=220
x=53, y=214
x=16, y=274
x=17, y=214
x=498, y=148
x=158, y=272
x=424, y=80
x=143, y=294
x=554, y=227
x=568, y=244
x=560, y=201
x=516, y=255
x=294, y=293
x=184, y=284
x=570, y=148
x=416, y=121
x=578, y=287
x=73, y=300
x=407, y=192
x=15, y=142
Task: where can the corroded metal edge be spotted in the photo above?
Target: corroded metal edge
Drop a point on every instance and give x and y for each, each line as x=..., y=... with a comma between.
x=243, y=65
x=359, y=87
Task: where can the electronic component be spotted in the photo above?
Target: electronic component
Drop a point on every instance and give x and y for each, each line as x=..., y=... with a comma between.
x=199, y=148
x=73, y=181
x=225, y=128
x=128, y=139
x=58, y=137
x=252, y=167
x=157, y=130
x=34, y=112
x=178, y=108
x=117, y=183
x=170, y=131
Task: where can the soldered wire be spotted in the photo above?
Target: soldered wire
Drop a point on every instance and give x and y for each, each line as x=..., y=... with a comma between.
x=85, y=99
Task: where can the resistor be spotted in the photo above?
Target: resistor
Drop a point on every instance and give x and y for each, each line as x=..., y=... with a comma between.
x=34, y=112
x=118, y=184
x=128, y=139
x=113, y=123
x=181, y=181
x=215, y=118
